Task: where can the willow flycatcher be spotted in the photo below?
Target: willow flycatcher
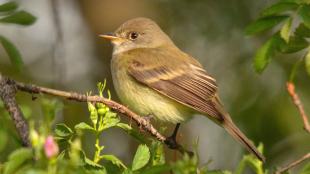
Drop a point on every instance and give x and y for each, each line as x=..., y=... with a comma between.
x=152, y=76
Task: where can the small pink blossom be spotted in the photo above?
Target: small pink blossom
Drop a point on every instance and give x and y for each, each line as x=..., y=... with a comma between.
x=50, y=147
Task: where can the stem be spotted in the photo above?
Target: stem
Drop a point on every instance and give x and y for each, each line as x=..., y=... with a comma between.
x=293, y=164
x=98, y=149
x=123, y=110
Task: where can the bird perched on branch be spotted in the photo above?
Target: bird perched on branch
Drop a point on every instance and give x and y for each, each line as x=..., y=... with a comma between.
x=154, y=77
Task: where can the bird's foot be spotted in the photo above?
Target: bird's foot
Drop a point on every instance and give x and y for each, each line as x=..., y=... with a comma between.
x=171, y=141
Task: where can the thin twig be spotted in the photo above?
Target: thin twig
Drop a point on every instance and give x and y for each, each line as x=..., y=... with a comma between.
x=291, y=90
x=293, y=164
x=7, y=94
x=144, y=123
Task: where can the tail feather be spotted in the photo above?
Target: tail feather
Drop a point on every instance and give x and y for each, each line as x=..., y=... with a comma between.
x=232, y=129
x=223, y=119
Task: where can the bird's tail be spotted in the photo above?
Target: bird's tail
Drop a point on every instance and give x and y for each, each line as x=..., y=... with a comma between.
x=234, y=131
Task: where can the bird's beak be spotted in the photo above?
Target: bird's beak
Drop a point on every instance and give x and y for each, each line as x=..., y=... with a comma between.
x=109, y=36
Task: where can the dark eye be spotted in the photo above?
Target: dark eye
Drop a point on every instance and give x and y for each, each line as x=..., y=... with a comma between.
x=133, y=35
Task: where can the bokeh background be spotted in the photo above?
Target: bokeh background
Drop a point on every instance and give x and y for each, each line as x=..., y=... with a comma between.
x=62, y=50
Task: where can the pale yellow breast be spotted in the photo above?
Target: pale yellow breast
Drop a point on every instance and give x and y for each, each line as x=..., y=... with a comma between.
x=145, y=100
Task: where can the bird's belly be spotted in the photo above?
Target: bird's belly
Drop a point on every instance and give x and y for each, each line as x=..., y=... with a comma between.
x=146, y=101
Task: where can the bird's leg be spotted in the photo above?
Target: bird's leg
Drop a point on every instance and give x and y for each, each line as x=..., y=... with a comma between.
x=147, y=118
x=172, y=140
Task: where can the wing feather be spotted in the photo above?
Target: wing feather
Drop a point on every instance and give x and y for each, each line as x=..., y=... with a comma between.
x=188, y=84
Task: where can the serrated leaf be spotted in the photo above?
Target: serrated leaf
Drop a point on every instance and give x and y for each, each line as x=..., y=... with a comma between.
x=13, y=53
x=304, y=13
x=265, y=53
x=307, y=62
x=16, y=160
x=9, y=6
x=20, y=17
x=158, y=155
x=141, y=157
x=263, y=24
x=285, y=31
x=63, y=130
x=93, y=167
x=110, y=120
x=83, y=126
x=279, y=8
x=114, y=160
x=91, y=163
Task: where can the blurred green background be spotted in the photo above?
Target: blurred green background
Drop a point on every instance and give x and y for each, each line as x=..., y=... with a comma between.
x=62, y=50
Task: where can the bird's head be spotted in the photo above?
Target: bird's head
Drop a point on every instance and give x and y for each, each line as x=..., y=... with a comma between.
x=137, y=33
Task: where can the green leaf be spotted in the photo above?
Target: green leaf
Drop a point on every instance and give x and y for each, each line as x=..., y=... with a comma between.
x=114, y=160
x=9, y=6
x=186, y=164
x=93, y=167
x=110, y=120
x=141, y=157
x=13, y=53
x=91, y=163
x=279, y=8
x=302, y=31
x=158, y=155
x=20, y=17
x=127, y=171
x=306, y=169
x=134, y=133
x=285, y=31
x=295, y=44
x=263, y=24
x=16, y=160
x=265, y=53
x=157, y=169
x=93, y=113
x=307, y=61
x=63, y=130
x=250, y=160
x=304, y=13
x=83, y=126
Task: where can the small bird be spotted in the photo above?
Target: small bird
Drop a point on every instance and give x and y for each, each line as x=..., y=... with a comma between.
x=154, y=77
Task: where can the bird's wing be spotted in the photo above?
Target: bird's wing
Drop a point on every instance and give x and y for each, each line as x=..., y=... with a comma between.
x=187, y=83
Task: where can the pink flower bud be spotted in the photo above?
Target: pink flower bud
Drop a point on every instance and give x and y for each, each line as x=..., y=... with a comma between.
x=50, y=147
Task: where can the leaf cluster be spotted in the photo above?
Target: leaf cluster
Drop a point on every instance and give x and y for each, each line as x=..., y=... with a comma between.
x=9, y=14
x=290, y=24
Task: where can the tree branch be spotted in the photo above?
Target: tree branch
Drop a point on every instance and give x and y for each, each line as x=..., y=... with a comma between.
x=7, y=94
x=144, y=123
x=291, y=90
x=293, y=164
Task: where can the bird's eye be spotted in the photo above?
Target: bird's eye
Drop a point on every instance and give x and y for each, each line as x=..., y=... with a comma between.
x=133, y=35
